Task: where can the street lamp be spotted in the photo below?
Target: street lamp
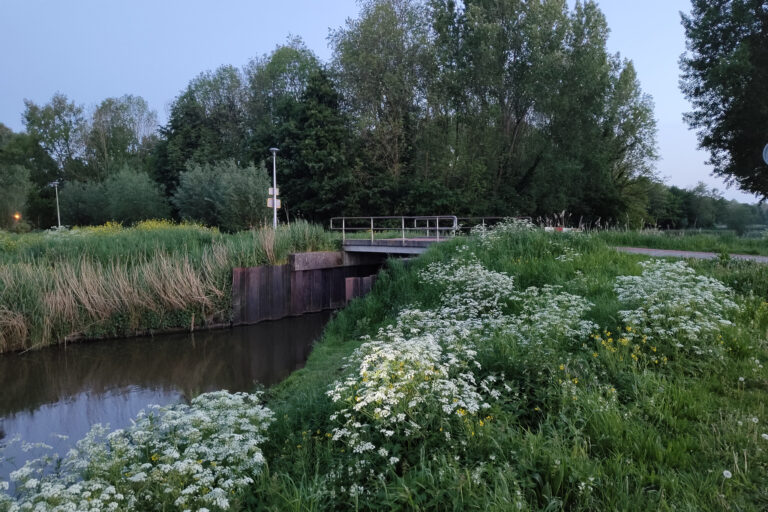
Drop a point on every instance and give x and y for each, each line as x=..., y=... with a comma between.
x=274, y=187
x=55, y=185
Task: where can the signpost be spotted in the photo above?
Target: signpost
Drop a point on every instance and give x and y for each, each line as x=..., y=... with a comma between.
x=273, y=202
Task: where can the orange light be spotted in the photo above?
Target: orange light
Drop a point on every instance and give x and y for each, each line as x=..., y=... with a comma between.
x=17, y=216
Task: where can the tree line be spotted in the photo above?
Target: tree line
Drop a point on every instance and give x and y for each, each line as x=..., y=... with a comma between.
x=480, y=107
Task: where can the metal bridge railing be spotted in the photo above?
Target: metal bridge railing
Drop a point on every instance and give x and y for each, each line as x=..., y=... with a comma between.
x=431, y=227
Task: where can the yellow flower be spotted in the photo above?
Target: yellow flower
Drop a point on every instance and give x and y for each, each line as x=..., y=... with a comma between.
x=562, y=367
x=594, y=354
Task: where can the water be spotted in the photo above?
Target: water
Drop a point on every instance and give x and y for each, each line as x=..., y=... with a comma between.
x=62, y=391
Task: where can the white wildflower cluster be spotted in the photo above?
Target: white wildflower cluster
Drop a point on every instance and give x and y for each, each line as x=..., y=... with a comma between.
x=569, y=254
x=471, y=290
x=420, y=379
x=417, y=378
x=671, y=301
x=548, y=313
x=488, y=235
x=190, y=457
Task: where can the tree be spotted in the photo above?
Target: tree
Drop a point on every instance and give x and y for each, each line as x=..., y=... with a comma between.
x=274, y=85
x=725, y=71
x=14, y=186
x=206, y=124
x=21, y=149
x=122, y=131
x=384, y=63
x=59, y=127
x=316, y=154
x=223, y=194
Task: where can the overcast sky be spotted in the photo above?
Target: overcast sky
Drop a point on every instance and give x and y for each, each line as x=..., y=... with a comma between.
x=95, y=49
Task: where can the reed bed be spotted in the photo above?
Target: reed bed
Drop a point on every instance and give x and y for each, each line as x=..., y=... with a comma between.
x=115, y=281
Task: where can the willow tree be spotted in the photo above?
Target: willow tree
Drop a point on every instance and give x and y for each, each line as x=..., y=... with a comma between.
x=725, y=72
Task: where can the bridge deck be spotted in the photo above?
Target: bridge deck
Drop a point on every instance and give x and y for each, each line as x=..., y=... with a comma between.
x=390, y=245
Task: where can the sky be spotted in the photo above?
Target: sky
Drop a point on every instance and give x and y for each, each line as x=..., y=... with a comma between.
x=90, y=50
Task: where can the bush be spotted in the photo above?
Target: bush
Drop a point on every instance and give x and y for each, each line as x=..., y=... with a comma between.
x=127, y=196
x=223, y=194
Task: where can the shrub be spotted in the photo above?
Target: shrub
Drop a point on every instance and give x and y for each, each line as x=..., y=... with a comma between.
x=127, y=196
x=223, y=194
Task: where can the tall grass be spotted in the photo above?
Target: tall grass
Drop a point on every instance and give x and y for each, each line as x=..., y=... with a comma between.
x=110, y=280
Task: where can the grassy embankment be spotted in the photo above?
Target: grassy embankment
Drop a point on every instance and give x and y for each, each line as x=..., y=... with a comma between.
x=466, y=381
x=686, y=241
x=584, y=426
x=112, y=281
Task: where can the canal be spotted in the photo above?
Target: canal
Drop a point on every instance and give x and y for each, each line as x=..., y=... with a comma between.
x=56, y=394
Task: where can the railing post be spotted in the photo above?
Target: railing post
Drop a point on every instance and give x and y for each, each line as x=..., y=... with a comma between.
x=371, y=230
x=402, y=227
x=343, y=230
x=437, y=227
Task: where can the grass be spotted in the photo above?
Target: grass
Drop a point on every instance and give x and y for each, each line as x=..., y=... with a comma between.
x=113, y=281
x=687, y=241
x=663, y=442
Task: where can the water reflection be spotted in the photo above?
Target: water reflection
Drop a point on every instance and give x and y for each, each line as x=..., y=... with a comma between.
x=66, y=390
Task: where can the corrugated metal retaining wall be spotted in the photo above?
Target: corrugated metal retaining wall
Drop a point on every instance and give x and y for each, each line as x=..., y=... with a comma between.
x=310, y=282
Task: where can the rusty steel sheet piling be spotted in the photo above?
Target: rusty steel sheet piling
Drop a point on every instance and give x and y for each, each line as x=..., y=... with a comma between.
x=308, y=283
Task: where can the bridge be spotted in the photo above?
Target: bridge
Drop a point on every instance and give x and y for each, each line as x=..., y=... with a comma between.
x=401, y=235
x=394, y=235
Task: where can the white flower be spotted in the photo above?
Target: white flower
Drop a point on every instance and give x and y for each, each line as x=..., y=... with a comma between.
x=727, y=474
x=764, y=436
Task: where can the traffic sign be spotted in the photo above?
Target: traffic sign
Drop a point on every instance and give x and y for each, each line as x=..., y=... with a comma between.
x=274, y=191
x=270, y=203
x=765, y=154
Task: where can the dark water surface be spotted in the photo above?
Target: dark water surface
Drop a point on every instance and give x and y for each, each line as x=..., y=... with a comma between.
x=64, y=390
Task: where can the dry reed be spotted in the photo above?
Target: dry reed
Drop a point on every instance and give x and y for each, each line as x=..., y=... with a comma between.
x=13, y=330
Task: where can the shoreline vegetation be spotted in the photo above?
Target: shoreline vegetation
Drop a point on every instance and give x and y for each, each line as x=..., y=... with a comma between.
x=110, y=280
x=508, y=370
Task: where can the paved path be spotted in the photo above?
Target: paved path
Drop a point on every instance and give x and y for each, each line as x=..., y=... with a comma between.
x=668, y=253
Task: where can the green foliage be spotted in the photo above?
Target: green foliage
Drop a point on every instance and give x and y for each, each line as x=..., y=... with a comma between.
x=725, y=70
x=223, y=194
x=125, y=196
x=121, y=132
x=23, y=149
x=59, y=127
x=14, y=186
x=316, y=154
x=274, y=84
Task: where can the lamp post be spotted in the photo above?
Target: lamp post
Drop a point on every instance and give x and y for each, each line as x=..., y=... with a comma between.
x=274, y=187
x=58, y=213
